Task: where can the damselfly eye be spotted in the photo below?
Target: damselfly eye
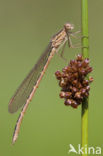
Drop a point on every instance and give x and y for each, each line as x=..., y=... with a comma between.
x=69, y=26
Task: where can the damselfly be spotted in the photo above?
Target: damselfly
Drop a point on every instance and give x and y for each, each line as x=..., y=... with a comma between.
x=26, y=90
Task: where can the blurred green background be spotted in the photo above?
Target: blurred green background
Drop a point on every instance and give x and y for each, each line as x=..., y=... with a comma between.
x=48, y=126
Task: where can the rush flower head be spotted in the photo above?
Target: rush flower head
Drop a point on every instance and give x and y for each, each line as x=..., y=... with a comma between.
x=73, y=81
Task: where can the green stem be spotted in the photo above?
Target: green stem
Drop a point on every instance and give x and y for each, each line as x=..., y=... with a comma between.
x=85, y=53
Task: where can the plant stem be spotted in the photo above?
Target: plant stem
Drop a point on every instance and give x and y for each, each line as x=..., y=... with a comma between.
x=85, y=53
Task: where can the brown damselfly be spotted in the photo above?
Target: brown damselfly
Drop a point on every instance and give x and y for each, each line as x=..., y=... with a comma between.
x=26, y=90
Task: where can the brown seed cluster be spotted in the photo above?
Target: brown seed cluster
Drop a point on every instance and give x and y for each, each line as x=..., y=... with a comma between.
x=72, y=80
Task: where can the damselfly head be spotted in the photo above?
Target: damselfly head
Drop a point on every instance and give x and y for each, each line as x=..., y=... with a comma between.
x=68, y=26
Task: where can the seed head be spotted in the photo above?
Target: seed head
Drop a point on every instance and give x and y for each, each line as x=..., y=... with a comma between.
x=73, y=82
